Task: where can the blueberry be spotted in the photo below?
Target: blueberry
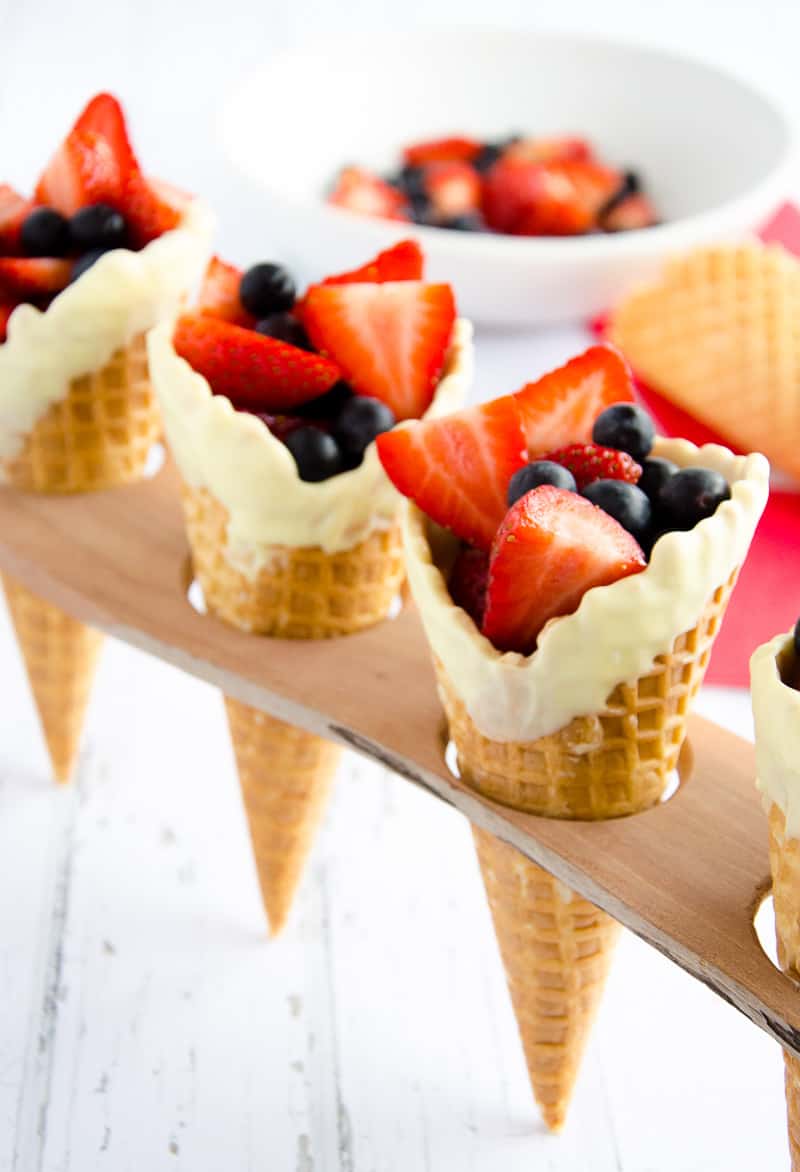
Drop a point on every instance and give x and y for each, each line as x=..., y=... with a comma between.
x=359, y=421
x=536, y=473
x=98, y=226
x=285, y=328
x=420, y=208
x=691, y=495
x=410, y=180
x=624, y=502
x=655, y=474
x=468, y=222
x=489, y=154
x=327, y=406
x=45, y=232
x=266, y=289
x=85, y=262
x=316, y=454
x=627, y=428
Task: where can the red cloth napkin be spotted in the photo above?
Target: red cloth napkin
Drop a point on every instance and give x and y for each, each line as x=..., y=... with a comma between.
x=767, y=597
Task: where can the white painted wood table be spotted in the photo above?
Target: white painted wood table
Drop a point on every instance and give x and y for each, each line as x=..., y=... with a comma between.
x=146, y=1022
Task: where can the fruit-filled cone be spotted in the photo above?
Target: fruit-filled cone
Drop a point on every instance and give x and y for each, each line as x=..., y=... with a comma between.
x=283, y=545
x=95, y=258
x=775, y=678
x=566, y=653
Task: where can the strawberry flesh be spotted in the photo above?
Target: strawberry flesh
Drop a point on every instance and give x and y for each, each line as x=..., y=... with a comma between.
x=359, y=190
x=257, y=373
x=6, y=309
x=402, y=262
x=590, y=462
x=469, y=580
x=551, y=548
x=219, y=294
x=27, y=278
x=390, y=339
x=558, y=198
x=13, y=212
x=453, y=189
x=441, y=150
x=457, y=468
x=561, y=407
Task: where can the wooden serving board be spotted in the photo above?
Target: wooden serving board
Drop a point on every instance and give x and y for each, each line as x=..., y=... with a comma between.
x=686, y=876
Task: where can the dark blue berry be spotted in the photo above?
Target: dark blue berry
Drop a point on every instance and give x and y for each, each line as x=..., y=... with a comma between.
x=655, y=474
x=45, y=232
x=266, y=289
x=98, y=226
x=489, y=154
x=361, y=419
x=410, y=180
x=326, y=407
x=285, y=328
x=536, y=473
x=691, y=495
x=316, y=454
x=468, y=222
x=624, y=502
x=85, y=262
x=627, y=428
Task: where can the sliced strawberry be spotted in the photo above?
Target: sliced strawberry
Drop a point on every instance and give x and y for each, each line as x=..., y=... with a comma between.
x=13, y=211
x=562, y=406
x=402, y=262
x=551, y=548
x=390, y=340
x=453, y=189
x=29, y=278
x=219, y=294
x=83, y=171
x=469, y=579
x=150, y=208
x=257, y=373
x=457, y=468
x=634, y=211
x=590, y=462
x=7, y=307
x=560, y=198
x=361, y=191
x=548, y=150
x=441, y=150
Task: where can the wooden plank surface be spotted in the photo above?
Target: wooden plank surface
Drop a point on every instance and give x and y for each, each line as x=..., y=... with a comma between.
x=685, y=876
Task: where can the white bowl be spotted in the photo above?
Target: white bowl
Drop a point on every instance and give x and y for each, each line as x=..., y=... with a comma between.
x=712, y=151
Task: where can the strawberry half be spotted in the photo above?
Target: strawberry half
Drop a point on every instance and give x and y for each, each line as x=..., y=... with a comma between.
x=590, y=462
x=552, y=547
x=256, y=373
x=634, y=211
x=359, y=190
x=150, y=207
x=441, y=150
x=28, y=278
x=13, y=211
x=561, y=407
x=83, y=171
x=402, y=262
x=219, y=294
x=457, y=468
x=6, y=309
x=453, y=189
x=548, y=150
x=390, y=340
x=557, y=198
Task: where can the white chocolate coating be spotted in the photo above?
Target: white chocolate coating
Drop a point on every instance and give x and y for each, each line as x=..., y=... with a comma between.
x=617, y=630
x=254, y=475
x=122, y=295
x=776, y=710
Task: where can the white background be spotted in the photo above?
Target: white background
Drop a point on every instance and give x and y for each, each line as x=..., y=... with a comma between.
x=145, y=1022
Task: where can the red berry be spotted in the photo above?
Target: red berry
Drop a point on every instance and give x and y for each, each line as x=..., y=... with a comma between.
x=589, y=462
x=441, y=150
x=402, y=262
x=469, y=580
x=361, y=191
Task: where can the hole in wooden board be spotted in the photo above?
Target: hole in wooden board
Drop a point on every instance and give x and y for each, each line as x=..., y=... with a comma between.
x=764, y=928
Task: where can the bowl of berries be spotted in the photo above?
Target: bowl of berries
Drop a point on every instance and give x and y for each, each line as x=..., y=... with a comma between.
x=543, y=174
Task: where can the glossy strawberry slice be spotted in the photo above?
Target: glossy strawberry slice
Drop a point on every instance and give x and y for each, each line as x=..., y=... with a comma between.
x=548, y=150
x=390, y=340
x=83, y=171
x=402, y=262
x=453, y=189
x=457, y=468
x=219, y=294
x=256, y=373
x=551, y=548
x=441, y=150
x=359, y=190
x=468, y=582
x=558, y=198
x=590, y=462
x=561, y=407
x=28, y=278
x=151, y=208
x=13, y=211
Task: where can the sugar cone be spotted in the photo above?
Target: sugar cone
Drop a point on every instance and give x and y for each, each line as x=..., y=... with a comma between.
x=300, y=593
x=557, y=947
x=99, y=435
x=60, y=656
x=784, y=857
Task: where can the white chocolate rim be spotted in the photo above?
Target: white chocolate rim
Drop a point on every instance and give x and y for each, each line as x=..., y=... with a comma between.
x=123, y=294
x=254, y=475
x=776, y=711
x=616, y=632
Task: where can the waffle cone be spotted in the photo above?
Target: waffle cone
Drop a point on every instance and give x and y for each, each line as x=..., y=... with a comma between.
x=285, y=773
x=98, y=435
x=784, y=859
x=717, y=335
x=557, y=947
x=60, y=656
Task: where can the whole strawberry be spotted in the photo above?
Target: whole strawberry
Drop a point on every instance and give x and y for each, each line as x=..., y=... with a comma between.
x=590, y=462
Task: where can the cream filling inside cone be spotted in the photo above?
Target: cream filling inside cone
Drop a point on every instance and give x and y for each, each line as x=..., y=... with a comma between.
x=122, y=295
x=616, y=632
x=254, y=475
x=776, y=710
